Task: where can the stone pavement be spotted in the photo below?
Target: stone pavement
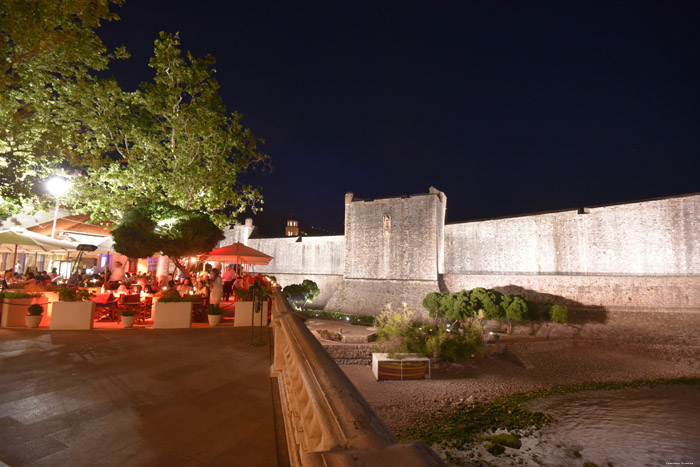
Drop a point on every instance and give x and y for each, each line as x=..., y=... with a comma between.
x=136, y=397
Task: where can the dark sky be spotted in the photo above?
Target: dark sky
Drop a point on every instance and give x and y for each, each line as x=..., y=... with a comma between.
x=508, y=107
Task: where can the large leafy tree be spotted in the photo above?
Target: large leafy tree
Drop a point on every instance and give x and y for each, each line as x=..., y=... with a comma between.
x=150, y=228
x=49, y=53
x=171, y=142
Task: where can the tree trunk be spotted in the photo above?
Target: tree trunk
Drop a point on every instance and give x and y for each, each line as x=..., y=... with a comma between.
x=182, y=268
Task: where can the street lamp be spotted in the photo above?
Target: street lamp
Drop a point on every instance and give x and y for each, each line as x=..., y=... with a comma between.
x=58, y=187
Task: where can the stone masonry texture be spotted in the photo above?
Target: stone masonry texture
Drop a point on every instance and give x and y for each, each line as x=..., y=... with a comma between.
x=638, y=258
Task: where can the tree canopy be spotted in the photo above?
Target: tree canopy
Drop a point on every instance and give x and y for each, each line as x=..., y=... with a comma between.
x=171, y=142
x=49, y=51
x=150, y=228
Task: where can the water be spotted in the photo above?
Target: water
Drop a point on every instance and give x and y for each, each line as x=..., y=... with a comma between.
x=632, y=427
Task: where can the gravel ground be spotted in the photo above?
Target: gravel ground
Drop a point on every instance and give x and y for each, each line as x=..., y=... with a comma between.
x=521, y=367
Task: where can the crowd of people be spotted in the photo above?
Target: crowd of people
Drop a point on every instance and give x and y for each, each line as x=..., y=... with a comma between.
x=11, y=278
x=211, y=284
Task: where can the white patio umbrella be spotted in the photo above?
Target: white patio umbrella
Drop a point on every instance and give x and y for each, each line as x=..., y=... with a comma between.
x=25, y=240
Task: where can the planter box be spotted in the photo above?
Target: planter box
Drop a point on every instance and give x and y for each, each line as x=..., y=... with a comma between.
x=246, y=317
x=15, y=309
x=71, y=315
x=408, y=366
x=170, y=315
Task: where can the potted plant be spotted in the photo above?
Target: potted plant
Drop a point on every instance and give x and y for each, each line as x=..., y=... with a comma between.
x=173, y=311
x=214, y=314
x=73, y=310
x=14, y=307
x=245, y=314
x=128, y=317
x=33, y=317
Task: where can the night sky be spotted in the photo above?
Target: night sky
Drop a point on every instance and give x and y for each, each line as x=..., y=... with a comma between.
x=508, y=107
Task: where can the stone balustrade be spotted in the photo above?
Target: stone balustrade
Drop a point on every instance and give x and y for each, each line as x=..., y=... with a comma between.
x=327, y=421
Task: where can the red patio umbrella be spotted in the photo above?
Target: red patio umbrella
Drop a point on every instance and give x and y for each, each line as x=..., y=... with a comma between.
x=237, y=253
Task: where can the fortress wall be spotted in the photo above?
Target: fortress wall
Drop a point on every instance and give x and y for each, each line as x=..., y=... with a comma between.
x=659, y=237
x=371, y=296
x=320, y=259
x=302, y=255
x=613, y=293
x=394, y=238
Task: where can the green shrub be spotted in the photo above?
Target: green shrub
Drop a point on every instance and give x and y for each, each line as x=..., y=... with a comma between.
x=519, y=308
x=9, y=295
x=128, y=311
x=35, y=309
x=488, y=300
x=397, y=332
x=215, y=310
x=66, y=294
x=558, y=313
x=299, y=295
x=453, y=346
x=431, y=303
x=177, y=298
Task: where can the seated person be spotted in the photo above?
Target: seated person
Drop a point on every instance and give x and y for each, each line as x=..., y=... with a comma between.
x=8, y=278
x=202, y=288
x=170, y=291
x=29, y=278
x=75, y=280
x=145, y=287
x=186, y=287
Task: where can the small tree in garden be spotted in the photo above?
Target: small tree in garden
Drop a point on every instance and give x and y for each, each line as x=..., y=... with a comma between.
x=465, y=307
x=558, y=313
x=431, y=303
x=519, y=308
x=302, y=293
x=153, y=228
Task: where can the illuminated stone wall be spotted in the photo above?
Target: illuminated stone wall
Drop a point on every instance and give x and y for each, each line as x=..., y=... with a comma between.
x=659, y=237
x=393, y=251
x=320, y=259
x=628, y=258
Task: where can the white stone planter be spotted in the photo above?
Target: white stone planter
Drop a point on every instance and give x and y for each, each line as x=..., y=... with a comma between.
x=15, y=309
x=33, y=321
x=170, y=315
x=128, y=321
x=71, y=315
x=214, y=320
x=246, y=317
x=403, y=367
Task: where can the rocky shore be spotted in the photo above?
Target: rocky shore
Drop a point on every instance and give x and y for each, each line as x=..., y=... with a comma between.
x=517, y=366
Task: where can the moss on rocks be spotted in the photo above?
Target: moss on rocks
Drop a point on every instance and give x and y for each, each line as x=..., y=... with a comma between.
x=494, y=448
x=505, y=439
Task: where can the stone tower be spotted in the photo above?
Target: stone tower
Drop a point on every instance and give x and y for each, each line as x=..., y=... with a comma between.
x=393, y=251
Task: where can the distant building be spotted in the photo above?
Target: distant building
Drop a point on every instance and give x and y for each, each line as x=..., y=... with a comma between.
x=292, y=227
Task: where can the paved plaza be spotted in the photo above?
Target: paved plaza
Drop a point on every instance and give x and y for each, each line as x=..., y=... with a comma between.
x=184, y=397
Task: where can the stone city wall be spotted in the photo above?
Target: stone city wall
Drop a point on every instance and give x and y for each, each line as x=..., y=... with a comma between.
x=394, y=238
x=625, y=258
x=614, y=293
x=320, y=259
x=302, y=255
x=658, y=237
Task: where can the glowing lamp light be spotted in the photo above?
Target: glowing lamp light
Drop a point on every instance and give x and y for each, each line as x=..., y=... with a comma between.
x=58, y=186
